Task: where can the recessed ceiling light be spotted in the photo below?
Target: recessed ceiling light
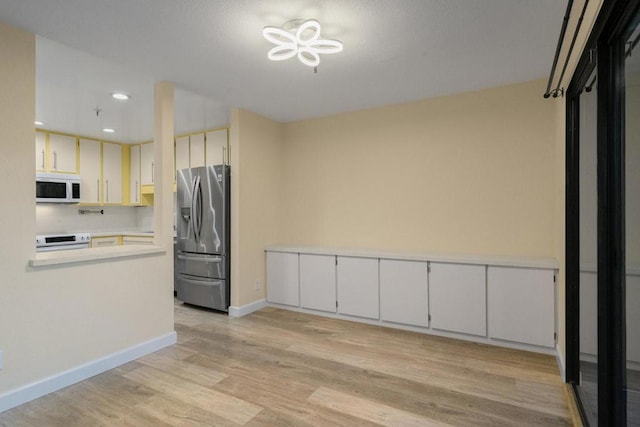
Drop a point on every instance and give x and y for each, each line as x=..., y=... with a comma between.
x=108, y=130
x=38, y=123
x=120, y=96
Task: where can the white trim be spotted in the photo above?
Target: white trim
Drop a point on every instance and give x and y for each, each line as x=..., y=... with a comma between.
x=55, y=382
x=247, y=308
x=560, y=361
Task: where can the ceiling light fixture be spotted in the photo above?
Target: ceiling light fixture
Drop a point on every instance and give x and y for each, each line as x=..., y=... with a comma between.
x=38, y=123
x=108, y=130
x=120, y=96
x=302, y=38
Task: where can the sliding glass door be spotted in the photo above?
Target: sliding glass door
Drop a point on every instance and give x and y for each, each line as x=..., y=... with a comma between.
x=632, y=219
x=603, y=220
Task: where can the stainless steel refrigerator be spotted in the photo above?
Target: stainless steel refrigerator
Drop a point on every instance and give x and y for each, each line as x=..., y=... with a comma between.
x=203, y=237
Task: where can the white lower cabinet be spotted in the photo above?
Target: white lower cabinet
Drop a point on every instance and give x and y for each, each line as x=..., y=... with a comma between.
x=500, y=305
x=357, y=280
x=318, y=282
x=458, y=298
x=403, y=292
x=521, y=305
x=282, y=278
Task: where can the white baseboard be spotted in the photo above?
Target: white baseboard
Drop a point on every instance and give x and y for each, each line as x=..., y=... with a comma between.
x=247, y=309
x=560, y=361
x=55, y=382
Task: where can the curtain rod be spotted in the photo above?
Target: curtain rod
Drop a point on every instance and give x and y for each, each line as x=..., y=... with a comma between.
x=563, y=30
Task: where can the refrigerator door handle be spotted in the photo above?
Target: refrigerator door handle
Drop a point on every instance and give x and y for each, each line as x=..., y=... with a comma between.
x=194, y=212
x=204, y=258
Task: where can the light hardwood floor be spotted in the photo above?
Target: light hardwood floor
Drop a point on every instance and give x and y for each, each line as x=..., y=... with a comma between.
x=281, y=368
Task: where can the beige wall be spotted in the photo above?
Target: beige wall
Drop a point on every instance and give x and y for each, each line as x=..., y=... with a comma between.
x=470, y=173
x=54, y=319
x=256, y=180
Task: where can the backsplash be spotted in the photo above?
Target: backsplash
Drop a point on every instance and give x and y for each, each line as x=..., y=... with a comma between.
x=58, y=218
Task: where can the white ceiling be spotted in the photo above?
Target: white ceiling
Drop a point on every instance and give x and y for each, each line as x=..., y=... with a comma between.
x=394, y=51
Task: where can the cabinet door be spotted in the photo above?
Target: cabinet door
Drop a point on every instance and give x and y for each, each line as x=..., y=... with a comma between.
x=100, y=242
x=358, y=287
x=112, y=172
x=318, y=282
x=62, y=153
x=134, y=175
x=588, y=312
x=137, y=240
x=146, y=164
x=196, y=150
x=41, y=150
x=403, y=292
x=633, y=317
x=521, y=305
x=182, y=153
x=282, y=278
x=89, y=171
x=217, y=147
x=458, y=298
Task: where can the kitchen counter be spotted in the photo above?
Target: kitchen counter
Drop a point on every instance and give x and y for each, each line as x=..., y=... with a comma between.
x=122, y=233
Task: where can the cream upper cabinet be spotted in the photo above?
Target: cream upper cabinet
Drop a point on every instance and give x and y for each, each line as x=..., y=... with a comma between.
x=134, y=176
x=146, y=164
x=89, y=171
x=182, y=152
x=41, y=151
x=196, y=154
x=112, y=172
x=62, y=153
x=216, y=147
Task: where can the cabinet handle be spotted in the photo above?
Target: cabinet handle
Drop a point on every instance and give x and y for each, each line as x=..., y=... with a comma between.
x=224, y=154
x=107, y=192
x=55, y=160
x=152, y=172
x=43, y=159
x=137, y=192
x=98, y=187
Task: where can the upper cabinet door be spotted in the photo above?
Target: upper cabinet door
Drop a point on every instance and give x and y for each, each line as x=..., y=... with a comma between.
x=112, y=172
x=196, y=144
x=89, y=171
x=182, y=153
x=134, y=176
x=62, y=153
x=41, y=151
x=216, y=147
x=146, y=164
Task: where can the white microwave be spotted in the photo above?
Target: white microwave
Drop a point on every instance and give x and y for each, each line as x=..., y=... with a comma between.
x=57, y=188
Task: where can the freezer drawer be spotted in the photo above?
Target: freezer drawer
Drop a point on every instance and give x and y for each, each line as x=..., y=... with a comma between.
x=201, y=265
x=202, y=292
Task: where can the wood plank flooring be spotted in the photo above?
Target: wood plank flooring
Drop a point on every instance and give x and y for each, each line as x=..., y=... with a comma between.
x=281, y=368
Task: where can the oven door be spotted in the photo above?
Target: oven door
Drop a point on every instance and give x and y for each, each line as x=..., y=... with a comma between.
x=62, y=247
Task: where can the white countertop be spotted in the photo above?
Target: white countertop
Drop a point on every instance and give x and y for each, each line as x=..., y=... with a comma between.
x=91, y=254
x=496, y=260
x=122, y=233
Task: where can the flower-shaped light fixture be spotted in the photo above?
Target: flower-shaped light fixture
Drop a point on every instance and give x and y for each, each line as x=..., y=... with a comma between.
x=300, y=38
